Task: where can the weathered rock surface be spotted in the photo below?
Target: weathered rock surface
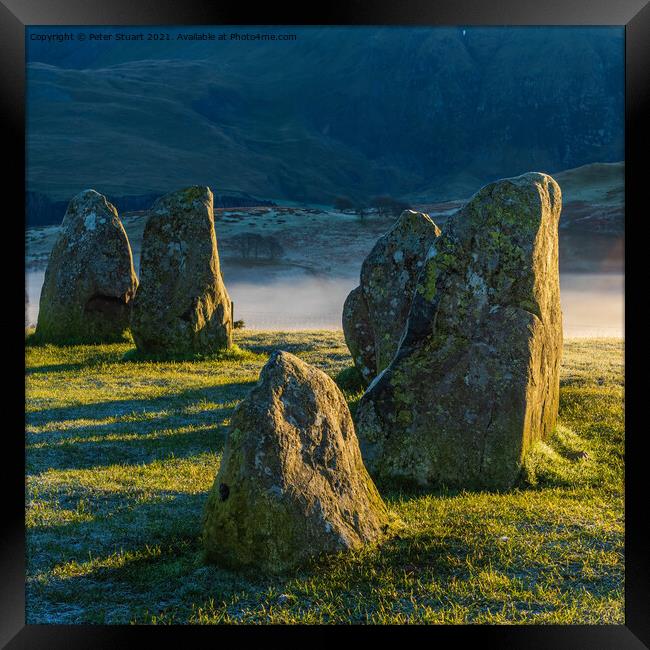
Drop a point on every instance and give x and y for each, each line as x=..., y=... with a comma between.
x=292, y=484
x=182, y=305
x=476, y=378
x=375, y=313
x=359, y=334
x=89, y=282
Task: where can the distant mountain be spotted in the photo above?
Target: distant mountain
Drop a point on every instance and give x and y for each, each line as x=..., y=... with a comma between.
x=43, y=211
x=593, y=198
x=593, y=201
x=422, y=114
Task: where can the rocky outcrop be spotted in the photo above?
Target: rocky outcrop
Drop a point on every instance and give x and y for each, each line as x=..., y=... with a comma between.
x=292, y=484
x=476, y=378
x=375, y=313
x=182, y=305
x=89, y=282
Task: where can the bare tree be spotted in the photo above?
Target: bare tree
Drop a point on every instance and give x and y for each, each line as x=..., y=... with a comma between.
x=254, y=246
x=274, y=248
x=360, y=210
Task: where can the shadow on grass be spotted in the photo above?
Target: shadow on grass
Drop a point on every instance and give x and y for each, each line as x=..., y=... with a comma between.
x=400, y=489
x=117, y=408
x=134, y=356
x=58, y=454
x=94, y=454
x=122, y=519
x=162, y=568
x=63, y=367
x=233, y=353
x=293, y=348
x=92, y=359
x=33, y=339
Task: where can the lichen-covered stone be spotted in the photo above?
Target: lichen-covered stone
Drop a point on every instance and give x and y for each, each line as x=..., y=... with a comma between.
x=292, y=484
x=476, y=378
x=90, y=281
x=375, y=313
x=182, y=305
x=359, y=335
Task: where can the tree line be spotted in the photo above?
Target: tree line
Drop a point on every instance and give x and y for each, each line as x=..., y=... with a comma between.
x=383, y=205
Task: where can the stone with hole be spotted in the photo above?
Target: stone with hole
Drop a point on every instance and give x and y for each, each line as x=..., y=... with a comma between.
x=292, y=484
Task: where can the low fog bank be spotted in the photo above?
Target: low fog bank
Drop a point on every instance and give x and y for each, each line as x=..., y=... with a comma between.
x=291, y=303
x=592, y=303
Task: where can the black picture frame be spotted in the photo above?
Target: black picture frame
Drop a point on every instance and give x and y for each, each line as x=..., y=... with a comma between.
x=15, y=15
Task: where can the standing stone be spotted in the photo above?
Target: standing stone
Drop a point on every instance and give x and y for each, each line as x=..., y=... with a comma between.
x=89, y=282
x=476, y=378
x=182, y=306
x=375, y=313
x=292, y=484
x=359, y=334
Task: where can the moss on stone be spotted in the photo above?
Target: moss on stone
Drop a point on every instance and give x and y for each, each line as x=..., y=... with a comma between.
x=428, y=287
x=182, y=306
x=475, y=380
x=90, y=281
x=375, y=314
x=292, y=484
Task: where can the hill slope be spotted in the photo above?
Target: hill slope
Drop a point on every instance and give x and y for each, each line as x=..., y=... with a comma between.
x=419, y=113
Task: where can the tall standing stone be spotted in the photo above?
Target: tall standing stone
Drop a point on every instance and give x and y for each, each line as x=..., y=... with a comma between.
x=90, y=281
x=182, y=305
x=292, y=484
x=375, y=313
x=476, y=378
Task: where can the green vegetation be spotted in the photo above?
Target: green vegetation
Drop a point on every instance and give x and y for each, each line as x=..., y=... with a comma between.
x=121, y=453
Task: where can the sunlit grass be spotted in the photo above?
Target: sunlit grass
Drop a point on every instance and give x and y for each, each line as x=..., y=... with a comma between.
x=121, y=452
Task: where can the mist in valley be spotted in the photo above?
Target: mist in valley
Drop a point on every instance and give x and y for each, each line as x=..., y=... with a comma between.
x=592, y=303
x=258, y=125
x=289, y=299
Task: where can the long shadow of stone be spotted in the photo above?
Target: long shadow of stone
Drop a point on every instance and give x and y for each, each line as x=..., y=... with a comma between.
x=153, y=438
x=90, y=359
x=130, y=424
x=116, y=408
x=94, y=454
x=294, y=348
x=175, y=525
x=56, y=367
x=120, y=522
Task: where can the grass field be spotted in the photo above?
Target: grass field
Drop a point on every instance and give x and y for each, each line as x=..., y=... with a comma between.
x=121, y=453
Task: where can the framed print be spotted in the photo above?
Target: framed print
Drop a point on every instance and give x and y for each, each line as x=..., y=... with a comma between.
x=325, y=320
